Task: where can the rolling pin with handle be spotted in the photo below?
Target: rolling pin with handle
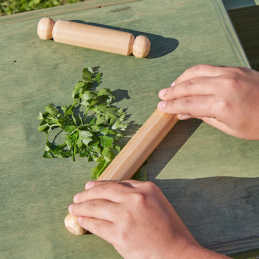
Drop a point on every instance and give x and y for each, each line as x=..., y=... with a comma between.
x=93, y=37
x=133, y=155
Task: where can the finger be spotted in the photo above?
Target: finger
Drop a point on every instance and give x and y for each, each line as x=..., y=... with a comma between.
x=129, y=183
x=99, y=209
x=195, y=107
x=200, y=71
x=191, y=87
x=113, y=191
x=99, y=227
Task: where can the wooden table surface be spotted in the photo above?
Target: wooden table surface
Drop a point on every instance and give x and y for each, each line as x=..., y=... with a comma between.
x=210, y=178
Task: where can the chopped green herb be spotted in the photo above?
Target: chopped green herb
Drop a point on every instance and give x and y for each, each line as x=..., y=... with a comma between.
x=92, y=133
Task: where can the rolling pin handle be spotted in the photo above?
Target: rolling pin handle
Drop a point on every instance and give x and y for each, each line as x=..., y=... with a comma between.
x=45, y=27
x=141, y=46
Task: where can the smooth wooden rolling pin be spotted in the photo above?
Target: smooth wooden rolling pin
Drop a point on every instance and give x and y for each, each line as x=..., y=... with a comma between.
x=133, y=155
x=93, y=37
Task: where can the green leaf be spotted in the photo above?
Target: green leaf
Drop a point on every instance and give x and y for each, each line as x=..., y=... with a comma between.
x=43, y=127
x=107, y=94
x=69, y=142
x=105, y=131
x=51, y=109
x=87, y=75
x=85, y=136
x=140, y=175
x=92, y=135
x=107, y=154
x=87, y=96
x=40, y=117
x=78, y=89
x=101, y=119
x=90, y=69
x=119, y=125
x=69, y=128
x=97, y=170
x=106, y=141
x=50, y=146
x=64, y=109
x=47, y=154
x=111, y=112
x=79, y=142
x=95, y=128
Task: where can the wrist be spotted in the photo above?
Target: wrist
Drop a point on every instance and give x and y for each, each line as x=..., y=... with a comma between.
x=193, y=250
x=196, y=251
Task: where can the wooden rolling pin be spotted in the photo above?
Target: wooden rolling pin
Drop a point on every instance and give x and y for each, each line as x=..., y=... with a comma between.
x=93, y=37
x=133, y=155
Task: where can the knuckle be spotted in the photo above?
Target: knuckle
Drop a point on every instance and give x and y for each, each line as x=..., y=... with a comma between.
x=138, y=198
x=150, y=187
x=122, y=237
x=241, y=70
x=105, y=186
x=231, y=82
x=97, y=226
x=222, y=106
x=188, y=85
x=92, y=205
x=126, y=216
x=186, y=103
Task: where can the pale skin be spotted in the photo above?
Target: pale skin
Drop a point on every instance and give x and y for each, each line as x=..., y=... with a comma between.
x=224, y=97
x=135, y=217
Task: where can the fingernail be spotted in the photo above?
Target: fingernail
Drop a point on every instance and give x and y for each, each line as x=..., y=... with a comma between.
x=80, y=219
x=173, y=84
x=89, y=185
x=184, y=117
x=76, y=197
x=70, y=208
x=162, y=92
x=161, y=105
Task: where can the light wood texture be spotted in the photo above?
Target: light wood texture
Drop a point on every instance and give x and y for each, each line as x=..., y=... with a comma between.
x=72, y=225
x=133, y=155
x=141, y=46
x=44, y=29
x=93, y=37
x=140, y=147
x=192, y=170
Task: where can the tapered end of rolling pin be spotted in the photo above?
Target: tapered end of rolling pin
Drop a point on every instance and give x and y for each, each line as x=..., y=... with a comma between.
x=72, y=225
x=141, y=46
x=45, y=27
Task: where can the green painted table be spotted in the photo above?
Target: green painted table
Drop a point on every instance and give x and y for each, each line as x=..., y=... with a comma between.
x=210, y=178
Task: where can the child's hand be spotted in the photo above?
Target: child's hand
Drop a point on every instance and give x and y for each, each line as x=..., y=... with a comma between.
x=224, y=97
x=137, y=219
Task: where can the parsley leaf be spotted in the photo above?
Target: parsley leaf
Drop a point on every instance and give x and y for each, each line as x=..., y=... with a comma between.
x=93, y=133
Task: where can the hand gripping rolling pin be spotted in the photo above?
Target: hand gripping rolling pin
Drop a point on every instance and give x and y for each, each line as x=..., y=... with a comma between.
x=93, y=37
x=133, y=155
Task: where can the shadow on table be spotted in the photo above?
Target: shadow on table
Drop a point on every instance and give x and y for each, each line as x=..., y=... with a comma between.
x=160, y=46
x=221, y=212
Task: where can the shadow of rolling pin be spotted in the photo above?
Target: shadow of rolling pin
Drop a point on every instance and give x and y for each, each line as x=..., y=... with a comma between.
x=93, y=37
x=133, y=155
